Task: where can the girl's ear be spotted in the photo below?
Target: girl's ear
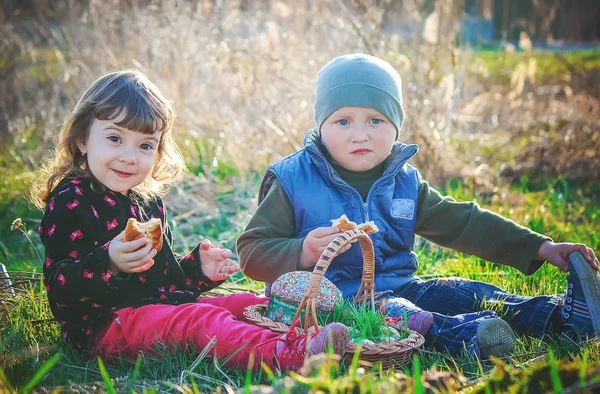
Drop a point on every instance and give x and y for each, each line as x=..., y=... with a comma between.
x=82, y=147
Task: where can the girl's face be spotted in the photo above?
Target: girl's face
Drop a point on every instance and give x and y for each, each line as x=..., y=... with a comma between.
x=119, y=158
x=358, y=138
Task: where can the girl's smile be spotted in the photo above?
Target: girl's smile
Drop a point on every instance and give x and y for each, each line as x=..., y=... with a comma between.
x=122, y=174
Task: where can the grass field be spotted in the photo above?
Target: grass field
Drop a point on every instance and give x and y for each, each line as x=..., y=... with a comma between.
x=563, y=211
x=516, y=131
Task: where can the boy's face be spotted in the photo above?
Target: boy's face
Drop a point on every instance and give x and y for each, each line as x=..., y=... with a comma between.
x=358, y=138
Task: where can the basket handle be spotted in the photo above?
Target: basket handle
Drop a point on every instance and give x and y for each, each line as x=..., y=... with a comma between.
x=367, y=284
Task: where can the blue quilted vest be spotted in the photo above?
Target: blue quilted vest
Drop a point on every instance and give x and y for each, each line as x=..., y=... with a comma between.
x=318, y=194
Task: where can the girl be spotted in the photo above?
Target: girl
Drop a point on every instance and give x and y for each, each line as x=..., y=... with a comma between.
x=115, y=158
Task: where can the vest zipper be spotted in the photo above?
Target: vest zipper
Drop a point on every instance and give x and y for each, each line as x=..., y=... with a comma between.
x=344, y=185
x=366, y=203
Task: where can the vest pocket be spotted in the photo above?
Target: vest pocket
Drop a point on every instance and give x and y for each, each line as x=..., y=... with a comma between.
x=403, y=208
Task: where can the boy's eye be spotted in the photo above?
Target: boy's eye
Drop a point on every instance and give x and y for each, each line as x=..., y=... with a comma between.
x=114, y=138
x=376, y=121
x=146, y=147
x=342, y=122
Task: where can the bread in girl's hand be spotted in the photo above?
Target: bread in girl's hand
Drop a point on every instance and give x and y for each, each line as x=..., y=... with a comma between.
x=345, y=224
x=151, y=229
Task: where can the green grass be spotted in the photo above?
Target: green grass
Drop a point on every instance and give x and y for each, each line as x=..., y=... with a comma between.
x=19, y=159
x=365, y=322
x=551, y=67
x=562, y=210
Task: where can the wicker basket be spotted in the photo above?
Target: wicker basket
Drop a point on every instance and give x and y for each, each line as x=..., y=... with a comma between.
x=395, y=353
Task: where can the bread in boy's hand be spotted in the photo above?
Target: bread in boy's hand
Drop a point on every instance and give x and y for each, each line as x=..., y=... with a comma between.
x=345, y=224
x=151, y=229
x=368, y=227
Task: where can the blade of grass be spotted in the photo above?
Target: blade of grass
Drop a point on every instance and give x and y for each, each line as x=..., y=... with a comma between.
x=417, y=378
x=554, y=375
x=106, y=378
x=583, y=370
x=135, y=373
x=269, y=372
x=40, y=373
x=194, y=386
x=248, y=382
x=4, y=380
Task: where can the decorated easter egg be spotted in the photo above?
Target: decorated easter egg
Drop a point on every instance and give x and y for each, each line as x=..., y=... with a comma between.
x=287, y=292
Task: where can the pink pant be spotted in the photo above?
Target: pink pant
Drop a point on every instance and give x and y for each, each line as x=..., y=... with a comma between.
x=151, y=327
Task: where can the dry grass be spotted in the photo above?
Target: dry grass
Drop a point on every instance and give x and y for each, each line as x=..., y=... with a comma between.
x=241, y=75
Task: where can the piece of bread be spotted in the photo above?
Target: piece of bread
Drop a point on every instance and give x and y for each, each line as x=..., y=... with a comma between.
x=345, y=224
x=368, y=227
x=151, y=229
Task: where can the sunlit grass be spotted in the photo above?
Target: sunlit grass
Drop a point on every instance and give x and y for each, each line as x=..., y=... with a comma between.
x=552, y=66
x=568, y=213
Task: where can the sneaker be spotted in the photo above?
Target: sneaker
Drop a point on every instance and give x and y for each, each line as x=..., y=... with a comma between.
x=292, y=349
x=418, y=319
x=495, y=338
x=581, y=309
x=420, y=322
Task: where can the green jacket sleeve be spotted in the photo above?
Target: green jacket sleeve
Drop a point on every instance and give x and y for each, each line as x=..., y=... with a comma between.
x=267, y=248
x=470, y=229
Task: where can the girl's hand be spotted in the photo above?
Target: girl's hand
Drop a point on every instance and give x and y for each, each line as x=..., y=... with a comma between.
x=315, y=243
x=216, y=262
x=132, y=256
x=558, y=254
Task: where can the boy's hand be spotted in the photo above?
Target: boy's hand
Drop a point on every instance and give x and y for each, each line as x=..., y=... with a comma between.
x=132, y=256
x=216, y=263
x=558, y=254
x=315, y=243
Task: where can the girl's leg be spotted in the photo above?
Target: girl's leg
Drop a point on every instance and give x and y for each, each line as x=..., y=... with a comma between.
x=191, y=326
x=158, y=327
x=455, y=296
x=234, y=303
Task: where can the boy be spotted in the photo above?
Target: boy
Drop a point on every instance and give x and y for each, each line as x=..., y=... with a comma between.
x=352, y=164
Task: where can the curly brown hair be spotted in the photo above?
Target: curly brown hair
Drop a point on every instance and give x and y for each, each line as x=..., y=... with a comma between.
x=138, y=104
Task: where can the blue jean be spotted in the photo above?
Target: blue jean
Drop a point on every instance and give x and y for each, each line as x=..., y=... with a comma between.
x=460, y=305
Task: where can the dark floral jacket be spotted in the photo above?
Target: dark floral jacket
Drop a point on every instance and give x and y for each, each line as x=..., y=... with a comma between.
x=76, y=230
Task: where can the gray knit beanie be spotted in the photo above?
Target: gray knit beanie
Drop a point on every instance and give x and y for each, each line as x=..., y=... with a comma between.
x=359, y=80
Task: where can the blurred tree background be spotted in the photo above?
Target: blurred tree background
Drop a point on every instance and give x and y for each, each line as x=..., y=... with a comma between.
x=492, y=96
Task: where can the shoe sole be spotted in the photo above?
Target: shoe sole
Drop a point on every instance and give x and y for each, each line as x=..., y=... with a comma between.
x=495, y=338
x=340, y=344
x=337, y=344
x=590, y=285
